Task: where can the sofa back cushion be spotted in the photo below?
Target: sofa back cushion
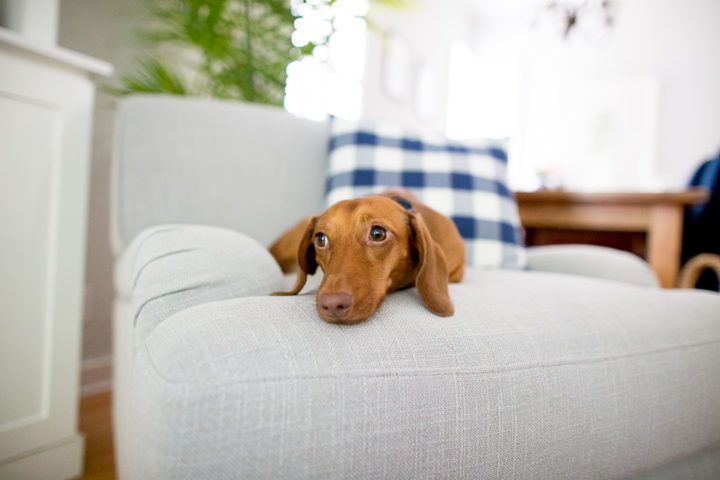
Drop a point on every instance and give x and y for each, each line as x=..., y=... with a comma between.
x=465, y=181
x=252, y=168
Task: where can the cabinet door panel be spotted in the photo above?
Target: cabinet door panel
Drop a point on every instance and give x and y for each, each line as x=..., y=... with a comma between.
x=45, y=120
x=27, y=166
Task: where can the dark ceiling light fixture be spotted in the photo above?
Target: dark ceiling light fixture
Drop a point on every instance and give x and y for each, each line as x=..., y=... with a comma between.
x=572, y=14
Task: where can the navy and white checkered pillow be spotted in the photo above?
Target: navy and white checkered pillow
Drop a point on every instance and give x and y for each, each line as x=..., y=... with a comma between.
x=465, y=181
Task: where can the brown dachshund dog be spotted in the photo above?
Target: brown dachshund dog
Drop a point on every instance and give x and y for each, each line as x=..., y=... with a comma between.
x=369, y=247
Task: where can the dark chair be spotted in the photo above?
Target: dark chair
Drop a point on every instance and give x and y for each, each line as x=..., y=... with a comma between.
x=701, y=230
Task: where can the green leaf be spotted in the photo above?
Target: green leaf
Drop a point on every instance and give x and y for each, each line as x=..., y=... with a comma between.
x=154, y=76
x=235, y=49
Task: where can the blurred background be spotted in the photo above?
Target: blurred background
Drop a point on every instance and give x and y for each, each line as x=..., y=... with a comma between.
x=593, y=95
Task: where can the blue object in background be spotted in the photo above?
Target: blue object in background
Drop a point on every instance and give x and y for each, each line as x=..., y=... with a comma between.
x=701, y=229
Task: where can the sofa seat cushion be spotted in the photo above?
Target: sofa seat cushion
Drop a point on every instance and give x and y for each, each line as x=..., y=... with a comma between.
x=537, y=375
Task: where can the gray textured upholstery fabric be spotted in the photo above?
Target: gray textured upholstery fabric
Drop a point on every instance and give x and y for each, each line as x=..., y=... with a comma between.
x=249, y=167
x=702, y=465
x=537, y=375
x=176, y=267
x=592, y=261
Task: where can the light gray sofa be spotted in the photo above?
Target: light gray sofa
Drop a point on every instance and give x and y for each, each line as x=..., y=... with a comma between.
x=579, y=367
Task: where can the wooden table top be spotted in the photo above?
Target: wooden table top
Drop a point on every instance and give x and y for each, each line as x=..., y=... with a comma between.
x=684, y=197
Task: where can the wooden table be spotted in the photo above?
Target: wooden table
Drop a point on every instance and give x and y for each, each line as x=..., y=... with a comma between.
x=658, y=215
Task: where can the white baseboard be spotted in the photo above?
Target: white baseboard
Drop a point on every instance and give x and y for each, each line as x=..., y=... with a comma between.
x=96, y=375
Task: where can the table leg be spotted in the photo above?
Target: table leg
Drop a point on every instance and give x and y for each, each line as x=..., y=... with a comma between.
x=664, y=241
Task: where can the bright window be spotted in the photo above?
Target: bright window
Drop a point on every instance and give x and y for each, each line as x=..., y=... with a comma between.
x=330, y=80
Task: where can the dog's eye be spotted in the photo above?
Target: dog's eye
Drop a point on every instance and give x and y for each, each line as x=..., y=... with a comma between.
x=378, y=234
x=321, y=240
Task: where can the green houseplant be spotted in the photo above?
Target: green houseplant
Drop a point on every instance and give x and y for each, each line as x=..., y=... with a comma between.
x=232, y=49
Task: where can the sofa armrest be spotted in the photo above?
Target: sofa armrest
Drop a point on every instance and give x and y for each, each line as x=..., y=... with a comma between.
x=592, y=261
x=217, y=264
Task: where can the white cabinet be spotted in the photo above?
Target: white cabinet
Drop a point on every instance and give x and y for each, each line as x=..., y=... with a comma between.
x=46, y=106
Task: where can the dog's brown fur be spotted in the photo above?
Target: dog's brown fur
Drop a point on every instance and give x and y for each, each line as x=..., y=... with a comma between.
x=422, y=248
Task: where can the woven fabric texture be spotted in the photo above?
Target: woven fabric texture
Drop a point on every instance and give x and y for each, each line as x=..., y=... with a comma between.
x=175, y=267
x=537, y=375
x=249, y=167
x=592, y=261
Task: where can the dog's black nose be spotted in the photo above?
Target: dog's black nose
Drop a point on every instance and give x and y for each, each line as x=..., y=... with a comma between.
x=335, y=305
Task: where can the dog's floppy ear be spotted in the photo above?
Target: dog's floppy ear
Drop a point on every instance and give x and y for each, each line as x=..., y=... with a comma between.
x=305, y=258
x=432, y=276
x=285, y=248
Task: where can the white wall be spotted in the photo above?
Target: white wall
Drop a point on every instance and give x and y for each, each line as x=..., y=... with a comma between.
x=429, y=30
x=660, y=65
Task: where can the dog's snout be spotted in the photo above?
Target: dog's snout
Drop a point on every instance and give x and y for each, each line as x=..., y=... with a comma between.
x=336, y=305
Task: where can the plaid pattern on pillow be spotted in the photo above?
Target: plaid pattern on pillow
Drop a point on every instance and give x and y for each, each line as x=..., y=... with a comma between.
x=465, y=181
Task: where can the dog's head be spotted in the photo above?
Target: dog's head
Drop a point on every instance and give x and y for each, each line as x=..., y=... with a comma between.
x=366, y=248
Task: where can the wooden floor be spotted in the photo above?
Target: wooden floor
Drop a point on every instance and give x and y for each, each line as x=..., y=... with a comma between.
x=96, y=424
